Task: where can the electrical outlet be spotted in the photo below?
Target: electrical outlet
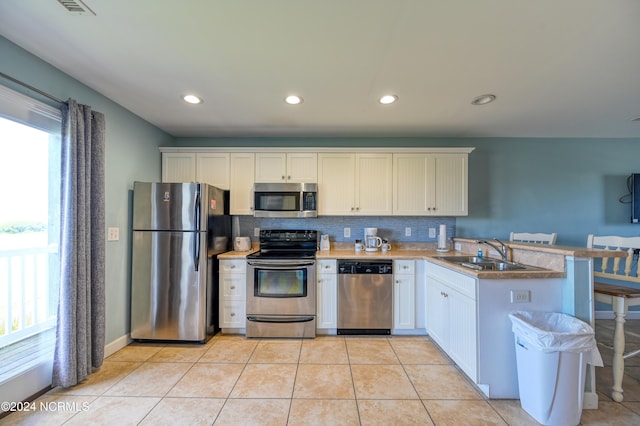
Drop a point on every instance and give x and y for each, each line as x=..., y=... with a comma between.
x=347, y=232
x=256, y=232
x=520, y=296
x=113, y=234
x=432, y=232
x=457, y=246
x=407, y=232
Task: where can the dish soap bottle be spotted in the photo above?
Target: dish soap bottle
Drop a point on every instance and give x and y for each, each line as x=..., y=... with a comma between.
x=480, y=252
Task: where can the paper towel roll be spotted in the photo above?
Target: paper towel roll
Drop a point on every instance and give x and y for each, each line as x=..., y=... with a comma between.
x=442, y=237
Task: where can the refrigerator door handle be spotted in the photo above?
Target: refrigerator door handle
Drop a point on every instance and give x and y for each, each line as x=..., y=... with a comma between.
x=196, y=243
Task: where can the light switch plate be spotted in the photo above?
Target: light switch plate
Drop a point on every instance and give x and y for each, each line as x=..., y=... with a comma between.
x=347, y=232
x=407, y=232
x=256, y=232
x=432, y=232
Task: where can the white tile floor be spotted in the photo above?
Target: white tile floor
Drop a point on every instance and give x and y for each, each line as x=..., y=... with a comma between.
x=325, y=381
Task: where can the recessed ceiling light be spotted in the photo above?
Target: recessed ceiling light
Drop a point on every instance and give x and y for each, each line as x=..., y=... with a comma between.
x=388, y=99
x=293, y=100
x=193, y=99
x=483, y=99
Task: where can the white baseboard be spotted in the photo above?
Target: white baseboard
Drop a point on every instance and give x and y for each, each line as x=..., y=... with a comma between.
x=116, y=345
x=609, y=315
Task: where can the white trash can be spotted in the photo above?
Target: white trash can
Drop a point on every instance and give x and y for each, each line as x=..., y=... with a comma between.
x=552, y=353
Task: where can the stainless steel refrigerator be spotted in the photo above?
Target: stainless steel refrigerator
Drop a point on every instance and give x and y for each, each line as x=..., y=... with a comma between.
x=178, y=231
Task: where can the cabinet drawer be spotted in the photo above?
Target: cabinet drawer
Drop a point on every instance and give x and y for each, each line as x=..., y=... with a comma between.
x=327, y=266
x=233, y=266
x=404, y=267
x=456, y=280
x=233, y=314
x=233, y=286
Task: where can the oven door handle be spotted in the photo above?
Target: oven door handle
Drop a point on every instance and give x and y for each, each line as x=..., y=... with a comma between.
x=283, y=265
x=285, y=319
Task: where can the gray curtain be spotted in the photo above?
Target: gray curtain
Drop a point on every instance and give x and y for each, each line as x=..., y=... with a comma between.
x=80, y=334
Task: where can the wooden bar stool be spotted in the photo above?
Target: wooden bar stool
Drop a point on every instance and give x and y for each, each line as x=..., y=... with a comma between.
x=619, y=297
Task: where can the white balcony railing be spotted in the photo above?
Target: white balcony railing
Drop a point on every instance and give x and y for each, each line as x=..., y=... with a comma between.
x=28, y=280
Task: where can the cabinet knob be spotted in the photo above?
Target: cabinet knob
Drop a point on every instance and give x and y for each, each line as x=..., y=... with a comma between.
x=233, y=287
x=282, y=177
x=232, y=266
x=289, y=177
x=352, y=209
x=233, y=314
x=397, y=281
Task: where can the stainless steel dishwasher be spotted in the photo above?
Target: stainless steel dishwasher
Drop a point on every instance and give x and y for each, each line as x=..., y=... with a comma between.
x=365, y=297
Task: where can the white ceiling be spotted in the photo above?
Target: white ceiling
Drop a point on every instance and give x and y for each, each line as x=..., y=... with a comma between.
x=560, y=68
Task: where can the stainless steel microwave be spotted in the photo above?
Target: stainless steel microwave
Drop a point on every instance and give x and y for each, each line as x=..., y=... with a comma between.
x=285, y=199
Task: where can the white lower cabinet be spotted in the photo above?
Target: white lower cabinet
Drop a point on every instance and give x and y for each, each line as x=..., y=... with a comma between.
x=233, y=294
x=451, y=316
x=404, y=294
x=327, y=295
x=469, y=319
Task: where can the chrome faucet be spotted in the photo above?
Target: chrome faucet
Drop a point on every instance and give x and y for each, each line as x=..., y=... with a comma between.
x=503, y=250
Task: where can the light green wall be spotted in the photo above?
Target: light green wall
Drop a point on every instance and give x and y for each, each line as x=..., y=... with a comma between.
x=131, y=154
x=568, y=186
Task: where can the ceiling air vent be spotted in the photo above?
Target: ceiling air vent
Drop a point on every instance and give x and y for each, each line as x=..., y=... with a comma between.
x=77, y=7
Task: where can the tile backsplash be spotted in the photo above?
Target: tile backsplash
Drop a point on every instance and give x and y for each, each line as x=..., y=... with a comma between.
x=391, y=228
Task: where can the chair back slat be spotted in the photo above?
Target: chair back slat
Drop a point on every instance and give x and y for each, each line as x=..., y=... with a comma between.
x=536, y=237
x=622, y=268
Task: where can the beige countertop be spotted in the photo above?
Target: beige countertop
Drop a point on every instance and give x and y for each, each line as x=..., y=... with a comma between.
x=550, y=249
x=542, y=256
x=432, y=256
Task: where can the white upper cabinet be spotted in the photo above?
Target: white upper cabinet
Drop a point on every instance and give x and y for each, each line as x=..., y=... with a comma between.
x=178, y=166
x=286, y=167
x=241, y=181
x=379, y=182
x=211, y=168
x=354, y=184
x=430, y=184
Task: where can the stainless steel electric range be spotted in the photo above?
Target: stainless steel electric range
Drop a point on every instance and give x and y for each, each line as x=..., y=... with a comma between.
x=281, y=285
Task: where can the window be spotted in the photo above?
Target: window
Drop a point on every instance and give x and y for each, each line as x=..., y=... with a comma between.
x=29, y=231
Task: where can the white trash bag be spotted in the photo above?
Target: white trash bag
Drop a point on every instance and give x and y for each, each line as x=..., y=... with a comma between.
x=556, y=332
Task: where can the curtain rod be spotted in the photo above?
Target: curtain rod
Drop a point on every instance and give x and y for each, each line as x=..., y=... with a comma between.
x=28, y=86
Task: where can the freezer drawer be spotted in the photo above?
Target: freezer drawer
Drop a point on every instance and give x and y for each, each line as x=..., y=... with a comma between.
x=171, y=294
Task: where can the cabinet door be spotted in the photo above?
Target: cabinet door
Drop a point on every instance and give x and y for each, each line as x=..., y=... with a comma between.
x=302, y=167
x=462, y=332
x=410, y=180
x=403, y=301
x=271, y=167
x=327, y=301
x=437, y=312
x=450, y=189
x=336, y=184
x=178, y=167
x=213, y=168
x=241, y=183
x=374, y=182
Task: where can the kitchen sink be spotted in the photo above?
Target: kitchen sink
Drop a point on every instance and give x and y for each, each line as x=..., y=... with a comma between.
x=485, y=264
